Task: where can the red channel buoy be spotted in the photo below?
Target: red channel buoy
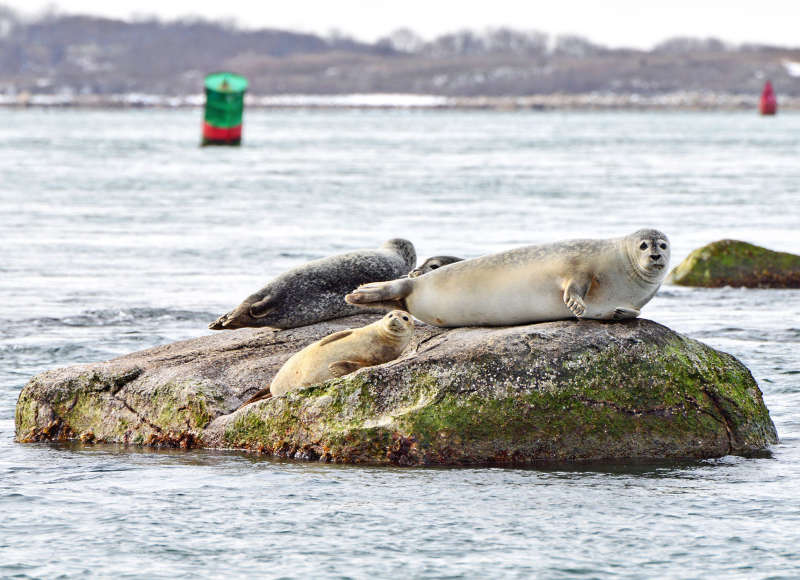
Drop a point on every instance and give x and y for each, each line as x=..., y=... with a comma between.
x=768, y=105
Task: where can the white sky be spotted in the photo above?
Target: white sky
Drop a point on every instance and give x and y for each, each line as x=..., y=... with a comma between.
x=633, y=23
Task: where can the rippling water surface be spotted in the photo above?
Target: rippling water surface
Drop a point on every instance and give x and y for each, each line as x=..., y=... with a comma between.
x=119, y=233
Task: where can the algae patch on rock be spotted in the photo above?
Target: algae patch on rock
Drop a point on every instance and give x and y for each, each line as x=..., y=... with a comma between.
x=735, y=263
x=551, y=392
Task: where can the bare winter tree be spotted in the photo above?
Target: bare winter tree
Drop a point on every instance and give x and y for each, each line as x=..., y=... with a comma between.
x=464, y=42
x=508, y=41
x=403, y=40
x=685, y=45
x=575, y=46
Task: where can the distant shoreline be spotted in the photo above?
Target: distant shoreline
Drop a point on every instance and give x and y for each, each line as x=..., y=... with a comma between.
x=679, y=101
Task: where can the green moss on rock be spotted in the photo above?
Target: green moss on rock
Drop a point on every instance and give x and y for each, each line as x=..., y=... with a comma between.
x=735, y=263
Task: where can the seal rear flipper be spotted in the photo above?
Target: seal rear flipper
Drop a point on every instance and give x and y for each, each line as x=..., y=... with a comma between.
x=345, y=367
x=260, y=395
x=385, y=305
x=393, y=291
x=622, y=313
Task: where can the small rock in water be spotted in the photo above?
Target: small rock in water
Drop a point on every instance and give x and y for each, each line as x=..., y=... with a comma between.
x=735, y=263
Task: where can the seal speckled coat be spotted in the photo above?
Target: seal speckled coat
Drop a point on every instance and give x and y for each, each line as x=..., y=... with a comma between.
x=315, y=291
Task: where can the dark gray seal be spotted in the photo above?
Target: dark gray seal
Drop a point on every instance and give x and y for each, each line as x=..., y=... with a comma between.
x=315, y=291
x=433, y=263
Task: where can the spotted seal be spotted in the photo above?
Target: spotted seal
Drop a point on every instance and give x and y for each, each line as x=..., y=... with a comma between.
x=342, y=353
x=433, y=263
x=315, y=291
x=599, y=279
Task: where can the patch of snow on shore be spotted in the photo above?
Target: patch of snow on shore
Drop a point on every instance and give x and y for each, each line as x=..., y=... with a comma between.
x=355, y=100
x=792, y=68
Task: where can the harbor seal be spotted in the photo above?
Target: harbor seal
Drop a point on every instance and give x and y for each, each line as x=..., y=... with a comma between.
x=342, y=353
x=432, y=264
x=315, y=291
x=598, y=279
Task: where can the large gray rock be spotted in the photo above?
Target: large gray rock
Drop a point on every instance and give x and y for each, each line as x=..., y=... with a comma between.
x=560, y=391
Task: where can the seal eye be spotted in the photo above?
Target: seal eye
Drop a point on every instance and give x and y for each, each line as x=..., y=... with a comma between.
x=405, y=317
x=643, y=246
x=663, y=246
x=434, y=266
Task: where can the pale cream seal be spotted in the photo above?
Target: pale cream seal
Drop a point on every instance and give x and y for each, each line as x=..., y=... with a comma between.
x=598, y=279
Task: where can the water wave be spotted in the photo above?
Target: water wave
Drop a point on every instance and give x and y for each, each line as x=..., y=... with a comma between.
x=113, y=317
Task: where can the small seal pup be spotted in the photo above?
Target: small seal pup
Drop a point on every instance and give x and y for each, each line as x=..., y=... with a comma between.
x=599, y=279
x=315, y=291
x=342, y=353
x=432, y=264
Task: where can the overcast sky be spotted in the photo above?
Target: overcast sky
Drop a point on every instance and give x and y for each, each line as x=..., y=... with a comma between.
x=634, y=23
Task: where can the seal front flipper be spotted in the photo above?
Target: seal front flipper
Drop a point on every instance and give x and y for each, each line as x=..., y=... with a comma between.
x=389, y=294
x=335, y=336
x=262, y=394
x=574, y=292
x=622, y=313
x=345, y=367
x=263, y=307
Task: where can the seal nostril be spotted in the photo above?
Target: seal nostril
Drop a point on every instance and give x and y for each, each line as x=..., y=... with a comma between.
x=655, y=257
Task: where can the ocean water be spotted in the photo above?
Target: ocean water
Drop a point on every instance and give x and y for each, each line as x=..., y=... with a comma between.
x=120, y=233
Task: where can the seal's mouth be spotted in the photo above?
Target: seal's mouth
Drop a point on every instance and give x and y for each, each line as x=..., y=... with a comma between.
x=657, y=266
x=397, y=326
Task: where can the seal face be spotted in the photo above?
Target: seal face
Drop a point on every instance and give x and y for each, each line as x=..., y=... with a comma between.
x=433, y=263
x=598, y=279
x=315, y=291
x=344, y=352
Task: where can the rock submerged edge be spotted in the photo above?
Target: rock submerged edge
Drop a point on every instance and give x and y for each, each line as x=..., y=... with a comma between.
x=551, y=392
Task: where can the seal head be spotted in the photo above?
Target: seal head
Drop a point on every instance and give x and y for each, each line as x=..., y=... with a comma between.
x=649, y=252
x=433, y=263
x=397, y=326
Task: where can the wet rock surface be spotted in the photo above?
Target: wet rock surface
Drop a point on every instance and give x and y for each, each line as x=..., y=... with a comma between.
x=736, y=263
x=551, y=392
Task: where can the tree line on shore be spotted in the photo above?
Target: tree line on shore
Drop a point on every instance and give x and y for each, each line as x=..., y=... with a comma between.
x=84, y=55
